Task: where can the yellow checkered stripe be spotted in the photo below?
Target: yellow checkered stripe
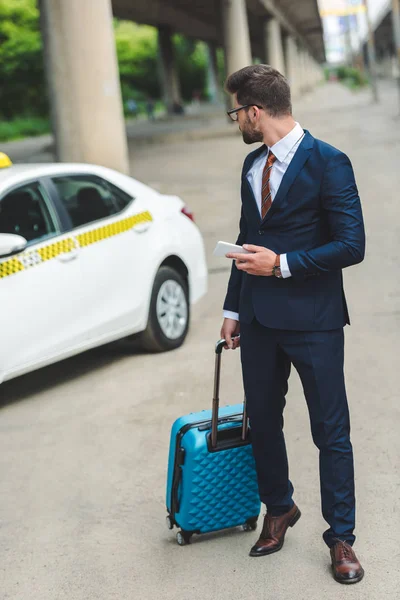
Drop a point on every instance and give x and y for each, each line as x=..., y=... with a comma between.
x=62, y=247
x=9, y=267
x=27, y=260
x=102, y=233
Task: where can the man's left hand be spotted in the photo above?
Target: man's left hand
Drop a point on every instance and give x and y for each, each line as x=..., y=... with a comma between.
x=260, y=262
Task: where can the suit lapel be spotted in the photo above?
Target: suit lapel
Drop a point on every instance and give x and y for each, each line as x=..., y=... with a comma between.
x=297, y=163
x=254, y=155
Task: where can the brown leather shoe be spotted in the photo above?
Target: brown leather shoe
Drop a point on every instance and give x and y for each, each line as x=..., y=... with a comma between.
x=345, y=564
x=273, y=532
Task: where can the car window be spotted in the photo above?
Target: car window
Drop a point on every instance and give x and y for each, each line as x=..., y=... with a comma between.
x=24, y=211
x=88, y=198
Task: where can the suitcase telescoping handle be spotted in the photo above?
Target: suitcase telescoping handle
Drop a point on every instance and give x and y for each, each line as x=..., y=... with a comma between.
x=215, y=406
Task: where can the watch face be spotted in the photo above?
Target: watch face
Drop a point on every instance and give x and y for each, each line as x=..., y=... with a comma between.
x=278, y=272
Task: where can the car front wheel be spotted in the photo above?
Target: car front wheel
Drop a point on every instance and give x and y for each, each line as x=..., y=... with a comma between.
x=169, y=313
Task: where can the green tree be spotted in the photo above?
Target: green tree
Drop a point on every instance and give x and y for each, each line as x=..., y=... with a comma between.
x=192, y=65
x=137, y=59
x=137, y=49
x=22, y=87
x=23, y=91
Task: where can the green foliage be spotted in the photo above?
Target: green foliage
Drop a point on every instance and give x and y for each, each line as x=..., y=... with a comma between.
x=353, y=78
x=137, y=49
x=23, y=127
x=21, y=62
x=191, y=58
x=23, y=90
x=137, y=59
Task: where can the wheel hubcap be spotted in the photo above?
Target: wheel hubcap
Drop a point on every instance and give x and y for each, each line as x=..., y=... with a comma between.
x=172, y=309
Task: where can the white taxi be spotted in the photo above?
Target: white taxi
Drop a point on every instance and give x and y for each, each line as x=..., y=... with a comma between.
x=88, y=256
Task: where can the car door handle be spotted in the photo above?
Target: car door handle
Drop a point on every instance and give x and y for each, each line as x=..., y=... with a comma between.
x=68, y=256
x=141, y=228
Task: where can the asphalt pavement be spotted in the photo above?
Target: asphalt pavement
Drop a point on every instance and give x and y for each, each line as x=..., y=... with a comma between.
x=84, y=443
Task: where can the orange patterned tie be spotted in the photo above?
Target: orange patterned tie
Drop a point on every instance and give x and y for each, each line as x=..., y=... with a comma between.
x=266, y=199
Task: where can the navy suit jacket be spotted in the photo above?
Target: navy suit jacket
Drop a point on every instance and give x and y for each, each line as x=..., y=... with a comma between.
x=316, y=219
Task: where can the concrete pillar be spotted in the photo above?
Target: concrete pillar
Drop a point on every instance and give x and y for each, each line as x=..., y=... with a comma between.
x=292, y=71
x=395, y=67
x=236, y=35
x=82, y=73
x=310, y=75
x=273, y=40
x=169, y=74
x=320, y=74
x=302, y=70
x=310, y=69
x=309, y=82
x=213, y=86
x=388, y=65
x=316, y=73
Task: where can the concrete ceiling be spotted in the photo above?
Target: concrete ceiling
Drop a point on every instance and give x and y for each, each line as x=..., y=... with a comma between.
x=201, y=19
x=306, y=19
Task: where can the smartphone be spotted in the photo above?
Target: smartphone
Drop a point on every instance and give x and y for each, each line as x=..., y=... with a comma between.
x=223, y=248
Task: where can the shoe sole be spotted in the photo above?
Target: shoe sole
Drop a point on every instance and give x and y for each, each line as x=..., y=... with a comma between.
x=292, y=523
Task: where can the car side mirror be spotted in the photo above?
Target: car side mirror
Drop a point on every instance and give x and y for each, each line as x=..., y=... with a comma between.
x=11, y=243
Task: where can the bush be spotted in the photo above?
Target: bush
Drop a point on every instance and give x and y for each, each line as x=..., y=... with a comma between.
x=351, y=76
x=22, y=88
x=23, y=127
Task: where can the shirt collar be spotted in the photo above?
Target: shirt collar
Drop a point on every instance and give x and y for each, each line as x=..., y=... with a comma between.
x=282, y=148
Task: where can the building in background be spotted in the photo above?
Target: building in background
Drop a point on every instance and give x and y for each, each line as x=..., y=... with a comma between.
x=345, y=26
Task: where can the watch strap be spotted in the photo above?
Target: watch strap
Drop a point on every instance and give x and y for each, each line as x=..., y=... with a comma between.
x=276, y=270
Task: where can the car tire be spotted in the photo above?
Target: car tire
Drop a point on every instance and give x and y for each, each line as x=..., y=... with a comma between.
x=169, y=297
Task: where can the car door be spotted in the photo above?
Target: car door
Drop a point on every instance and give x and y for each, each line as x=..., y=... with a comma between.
x=41, y=286
x=111, y=228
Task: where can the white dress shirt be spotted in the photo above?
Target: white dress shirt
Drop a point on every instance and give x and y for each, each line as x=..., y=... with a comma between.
x=284, y=150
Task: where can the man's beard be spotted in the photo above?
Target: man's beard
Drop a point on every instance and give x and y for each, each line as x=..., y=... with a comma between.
x=250, y=136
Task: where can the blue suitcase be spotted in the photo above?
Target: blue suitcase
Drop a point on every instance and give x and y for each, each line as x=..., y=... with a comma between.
x=212, y=481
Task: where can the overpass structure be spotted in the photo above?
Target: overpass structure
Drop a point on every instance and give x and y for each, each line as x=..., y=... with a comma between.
x=385, y=43
x=82, y=67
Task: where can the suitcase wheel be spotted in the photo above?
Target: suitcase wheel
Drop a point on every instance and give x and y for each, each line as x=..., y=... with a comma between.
x=250, y=525
x=183, y=538
x=169, y=522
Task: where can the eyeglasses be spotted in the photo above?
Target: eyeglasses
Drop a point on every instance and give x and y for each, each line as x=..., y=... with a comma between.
x=233, y=113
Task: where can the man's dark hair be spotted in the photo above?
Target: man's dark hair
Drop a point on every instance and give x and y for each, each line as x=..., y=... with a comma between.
x=263, y=85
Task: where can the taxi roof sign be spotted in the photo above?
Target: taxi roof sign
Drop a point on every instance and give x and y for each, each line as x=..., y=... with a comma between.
x=4, y=160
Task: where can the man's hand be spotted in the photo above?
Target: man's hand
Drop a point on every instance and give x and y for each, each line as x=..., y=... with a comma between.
x=229, y=328
x=260, y=262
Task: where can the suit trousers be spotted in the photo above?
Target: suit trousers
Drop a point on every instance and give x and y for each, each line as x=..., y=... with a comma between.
x=318, y=357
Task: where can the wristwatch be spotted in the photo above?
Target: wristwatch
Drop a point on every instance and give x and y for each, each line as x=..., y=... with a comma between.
x=276, y=269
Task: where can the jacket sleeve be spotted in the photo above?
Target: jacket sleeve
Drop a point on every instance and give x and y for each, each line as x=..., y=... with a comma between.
x=341, y=203
x=235, y=281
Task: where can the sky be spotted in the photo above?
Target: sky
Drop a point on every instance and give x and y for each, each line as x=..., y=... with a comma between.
x=335, y=38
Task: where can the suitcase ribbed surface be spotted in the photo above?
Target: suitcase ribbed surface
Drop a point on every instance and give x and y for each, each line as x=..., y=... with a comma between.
x=223, y=490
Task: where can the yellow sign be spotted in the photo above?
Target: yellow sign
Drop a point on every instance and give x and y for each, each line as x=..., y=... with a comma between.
x=342, y=10
x=4, y=160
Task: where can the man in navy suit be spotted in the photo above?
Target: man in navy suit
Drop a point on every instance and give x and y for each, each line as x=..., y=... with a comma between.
x=301, y=220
